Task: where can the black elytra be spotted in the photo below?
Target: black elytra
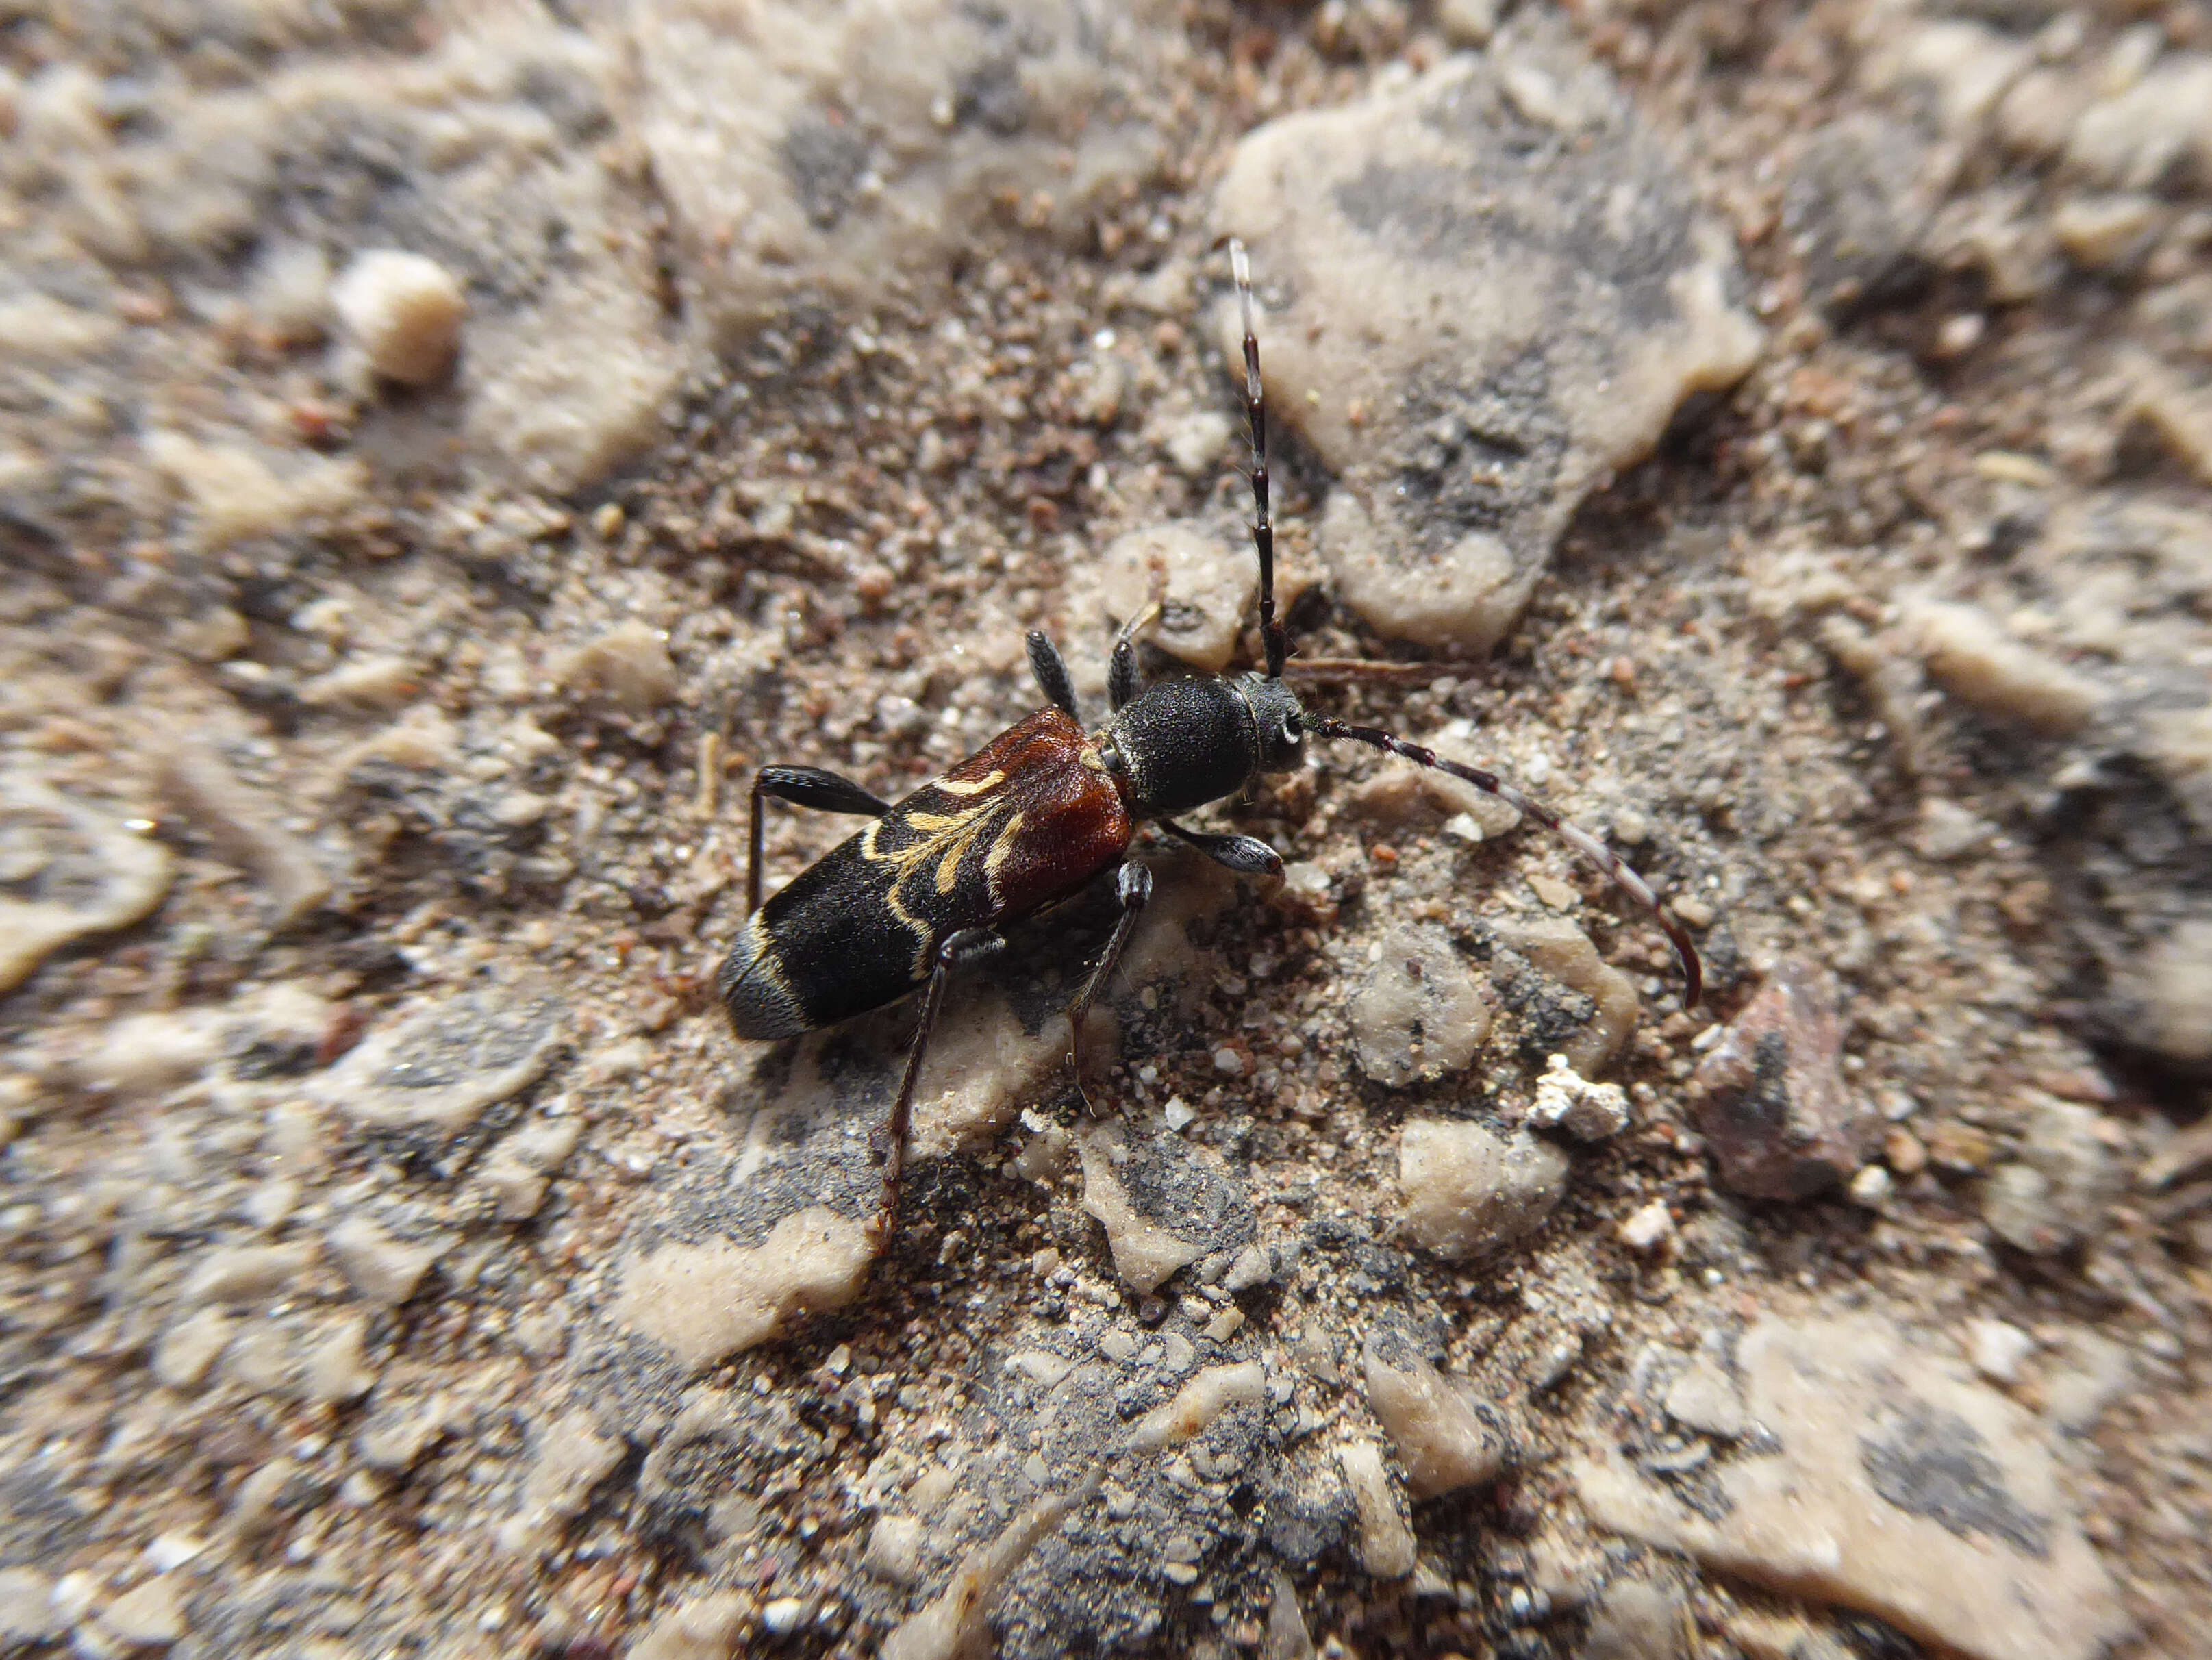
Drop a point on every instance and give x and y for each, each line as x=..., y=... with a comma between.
x=1038, y=813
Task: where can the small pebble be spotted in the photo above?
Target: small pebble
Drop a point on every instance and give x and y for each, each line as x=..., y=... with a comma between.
x=1998, y=1347
x=1467, y=1189
x=1647, y=1227
x=147, y=1616
x=1567, y=1101
x=380, y=1268
x=1871, y=1186
x=405, y=313
x=784, y=1616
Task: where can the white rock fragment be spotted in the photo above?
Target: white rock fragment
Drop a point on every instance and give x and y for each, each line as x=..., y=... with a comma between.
x=404, y=311
x=1871, y=1188
x=1566, y=1100
x=518, y=1169
x=1588, y=295
x=380, y=680
x=2101, y=231
x=385, y=1270
x=629, y=665
x=167, y=1551
x=1213, y=1391
x=1467, y=1190
x=149, y=1615
x=1443, y=1442
x=1647, y=1227
x=2167, y=996
x=260, y=1499
x=873, y=147
x=244, y=827
x=1555, y=946
x=1970, y=655
x=337, y=1369
x=2142, y=132
x=1205, y=588
x=439, y=1067
x=239, y=1274
x=239, y=490
x=704, y=1627
x=1146, y=1253
x=1895, y=1484
x=290, y=293
x=1996, y=1347
x=69, y=872
x=1387, y=1546
x=1637, y=1620
x=703, y=1301
x=569, y=1459
x=894, y=1552
x=188, y=1349
x=1702, y=1399
x=953, y=1624
x=146, y=1054
x=782, y=1615
x=1418, y=1015
x=390, y=1441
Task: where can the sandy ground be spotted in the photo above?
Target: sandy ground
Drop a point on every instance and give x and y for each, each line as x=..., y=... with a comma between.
x=1780, y=438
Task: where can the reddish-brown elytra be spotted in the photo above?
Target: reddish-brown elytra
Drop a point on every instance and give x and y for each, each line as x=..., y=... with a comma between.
x=1035, y=816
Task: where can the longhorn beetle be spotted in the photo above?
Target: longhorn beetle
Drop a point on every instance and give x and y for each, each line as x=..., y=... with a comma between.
x=1034, y=815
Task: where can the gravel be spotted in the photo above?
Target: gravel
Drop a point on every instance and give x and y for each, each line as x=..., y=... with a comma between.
x=1780, y=448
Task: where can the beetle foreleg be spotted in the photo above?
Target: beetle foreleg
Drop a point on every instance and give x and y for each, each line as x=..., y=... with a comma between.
x=1133, y=887
x=1122, y=683
x=802, y=786
x=962, y=947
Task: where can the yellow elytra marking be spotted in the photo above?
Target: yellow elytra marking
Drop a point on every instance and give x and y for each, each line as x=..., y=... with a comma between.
x=960, y=787
x=942, y=840
x=1001, y=850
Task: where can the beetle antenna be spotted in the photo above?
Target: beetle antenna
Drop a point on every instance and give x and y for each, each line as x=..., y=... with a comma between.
x=1271, y=641
x=1573, y=834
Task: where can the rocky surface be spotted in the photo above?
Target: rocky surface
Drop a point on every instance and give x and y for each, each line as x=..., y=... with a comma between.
x=443, y=451
x=1886, y=1481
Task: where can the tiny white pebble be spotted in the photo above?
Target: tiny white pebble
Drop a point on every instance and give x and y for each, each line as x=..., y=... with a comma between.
x=1228, y=1062
x=1998, y=1347
x=1178, y=1112
x=1871, y=1186
x=406, y=311
x=783, y=1615
x=172, y=1550
x=1647, y=1227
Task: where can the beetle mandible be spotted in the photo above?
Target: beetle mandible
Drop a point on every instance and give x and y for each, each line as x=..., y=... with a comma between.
x=1034, y=815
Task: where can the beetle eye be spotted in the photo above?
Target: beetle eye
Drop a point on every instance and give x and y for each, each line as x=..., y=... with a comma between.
x=1290, y=730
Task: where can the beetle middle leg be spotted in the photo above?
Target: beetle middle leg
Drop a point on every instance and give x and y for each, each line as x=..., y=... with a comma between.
x=1247, y=855
x=964, y=946
x=802, y=786
x=1133, y=887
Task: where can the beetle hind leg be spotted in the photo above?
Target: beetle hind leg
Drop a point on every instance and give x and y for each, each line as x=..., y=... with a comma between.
x=802, y=786
x=964, y=946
